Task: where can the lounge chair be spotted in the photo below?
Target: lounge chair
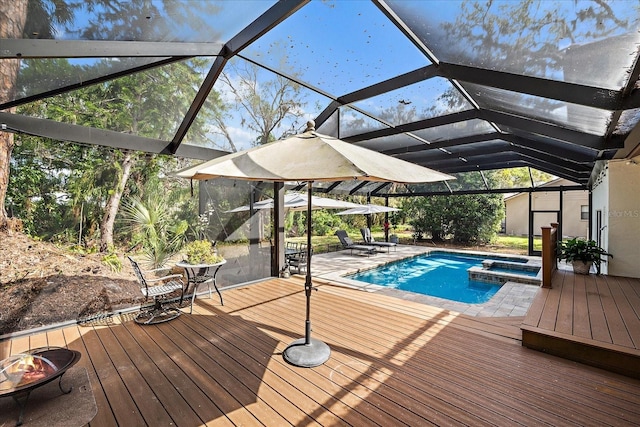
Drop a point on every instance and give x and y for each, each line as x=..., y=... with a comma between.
x=347, y=243
x=368, y=240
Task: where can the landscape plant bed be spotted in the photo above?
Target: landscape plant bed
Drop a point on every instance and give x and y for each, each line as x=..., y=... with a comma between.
x=41, y=284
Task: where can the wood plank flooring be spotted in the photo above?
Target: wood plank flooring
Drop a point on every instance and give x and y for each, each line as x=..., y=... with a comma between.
x=591, y=319
x=393, y=362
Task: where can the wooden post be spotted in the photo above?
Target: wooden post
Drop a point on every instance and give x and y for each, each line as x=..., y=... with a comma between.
x=549, y=245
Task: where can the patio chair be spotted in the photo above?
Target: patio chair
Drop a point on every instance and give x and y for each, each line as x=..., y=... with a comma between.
x=368, y=240
x=347, y=243
x=158, y=312
x=299, y=260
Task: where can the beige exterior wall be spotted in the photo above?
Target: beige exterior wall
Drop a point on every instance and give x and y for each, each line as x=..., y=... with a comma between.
x=517, y=215
x=517, y=211
x=623, y=217
x=572, y=225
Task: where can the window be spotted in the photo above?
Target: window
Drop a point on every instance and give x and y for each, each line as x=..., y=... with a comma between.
x=584, y=212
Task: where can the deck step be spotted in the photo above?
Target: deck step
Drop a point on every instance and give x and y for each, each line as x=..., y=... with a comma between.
x=611, y=357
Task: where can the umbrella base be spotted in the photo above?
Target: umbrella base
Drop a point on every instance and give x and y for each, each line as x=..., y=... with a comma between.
x=306, y=355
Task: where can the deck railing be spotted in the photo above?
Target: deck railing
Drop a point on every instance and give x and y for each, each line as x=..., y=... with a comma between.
x=549, y=247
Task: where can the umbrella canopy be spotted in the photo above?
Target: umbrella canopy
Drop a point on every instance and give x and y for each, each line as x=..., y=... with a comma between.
x=298, y=202
x=310, y=157
x=368, y=210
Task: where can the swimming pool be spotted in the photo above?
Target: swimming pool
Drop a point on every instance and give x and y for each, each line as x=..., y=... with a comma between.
x=438, y=274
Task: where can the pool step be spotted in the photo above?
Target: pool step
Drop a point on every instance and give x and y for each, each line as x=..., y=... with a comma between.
x=486, y=274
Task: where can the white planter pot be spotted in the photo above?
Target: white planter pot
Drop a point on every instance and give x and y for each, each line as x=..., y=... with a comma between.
x=581, y=267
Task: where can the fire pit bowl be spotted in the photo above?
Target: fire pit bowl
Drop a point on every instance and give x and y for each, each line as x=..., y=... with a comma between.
x=22, y=373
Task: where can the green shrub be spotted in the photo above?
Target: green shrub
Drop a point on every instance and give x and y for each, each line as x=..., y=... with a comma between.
x=201, y=252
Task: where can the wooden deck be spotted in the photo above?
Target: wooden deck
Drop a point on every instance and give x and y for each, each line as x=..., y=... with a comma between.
x=590, y=319
x=393, y=362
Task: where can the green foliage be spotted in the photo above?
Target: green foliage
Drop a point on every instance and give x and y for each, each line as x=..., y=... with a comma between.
x=201, y=252
x=581, y=250
x=324, y=223
x=57, y=186
x=112, y=260
x=36, y=192
x=428, y=215
x=299, y=223
x=516, y=177
x=153, y=227
x=463, y=219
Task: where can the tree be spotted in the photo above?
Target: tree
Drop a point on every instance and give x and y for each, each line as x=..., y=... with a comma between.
x=264, y=104
x=14, y=24
x=518, y=177
x=475, y=218
x=463, y=218
x=148, y=104
x=13, y=15
x=427, y=215
x=39, y=17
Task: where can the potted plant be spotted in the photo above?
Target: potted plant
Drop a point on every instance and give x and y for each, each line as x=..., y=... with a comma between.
x=201, y=252
x=582, y=254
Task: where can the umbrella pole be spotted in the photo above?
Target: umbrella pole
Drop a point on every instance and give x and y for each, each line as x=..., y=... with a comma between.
x=307, y=279
x=307, y=352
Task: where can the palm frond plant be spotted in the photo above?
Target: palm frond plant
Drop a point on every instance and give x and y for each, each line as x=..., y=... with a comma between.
x=151, y=222
x=582, y=254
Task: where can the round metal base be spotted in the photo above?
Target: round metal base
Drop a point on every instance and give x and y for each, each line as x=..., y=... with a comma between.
x=155, y=316
x=306, y=355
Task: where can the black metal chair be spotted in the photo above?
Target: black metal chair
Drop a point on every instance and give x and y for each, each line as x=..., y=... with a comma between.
x=158, y=312
x=299, y=260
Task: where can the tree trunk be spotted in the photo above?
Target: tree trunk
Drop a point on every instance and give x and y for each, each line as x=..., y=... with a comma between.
x=113, y=204
x=13, y=15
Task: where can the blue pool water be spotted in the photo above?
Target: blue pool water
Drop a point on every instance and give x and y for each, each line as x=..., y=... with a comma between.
x=440, y=275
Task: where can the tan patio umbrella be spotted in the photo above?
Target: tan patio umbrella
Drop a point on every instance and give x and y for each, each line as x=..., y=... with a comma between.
x=368, y=209
x=310, y=157
x=298, y=202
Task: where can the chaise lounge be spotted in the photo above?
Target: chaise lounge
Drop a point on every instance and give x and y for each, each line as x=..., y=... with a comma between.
x=368, y=240
x=347, y=243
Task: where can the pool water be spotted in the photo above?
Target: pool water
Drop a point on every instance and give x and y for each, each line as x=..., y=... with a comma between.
x=439, y=275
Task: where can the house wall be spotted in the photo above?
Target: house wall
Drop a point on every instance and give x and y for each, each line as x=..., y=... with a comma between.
x=572, y=225
x=624, y=219
x=600, y=202
x=517, y=211
x=517, y=215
